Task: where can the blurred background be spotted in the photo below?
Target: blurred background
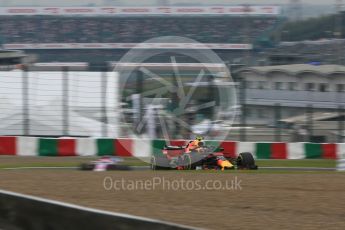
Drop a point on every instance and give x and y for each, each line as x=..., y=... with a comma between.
x=280, y=76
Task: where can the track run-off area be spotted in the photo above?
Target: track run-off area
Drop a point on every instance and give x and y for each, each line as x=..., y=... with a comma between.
x=285, y=199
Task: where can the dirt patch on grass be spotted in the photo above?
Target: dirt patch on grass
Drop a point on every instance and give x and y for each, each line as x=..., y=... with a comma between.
x=294, y=201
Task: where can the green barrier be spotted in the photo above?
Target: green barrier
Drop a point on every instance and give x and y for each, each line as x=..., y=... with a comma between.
x=47, y=147
x=215, y=144
x=263, y=150
x=105, y=146
x=157, y=146
x=312, y=150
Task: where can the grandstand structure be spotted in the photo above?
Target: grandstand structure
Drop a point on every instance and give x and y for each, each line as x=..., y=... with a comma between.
x=319, y=52
x=99, y=34
x=74, y=40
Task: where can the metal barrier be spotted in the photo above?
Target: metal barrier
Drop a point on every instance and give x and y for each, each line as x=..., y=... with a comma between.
x=18, y=211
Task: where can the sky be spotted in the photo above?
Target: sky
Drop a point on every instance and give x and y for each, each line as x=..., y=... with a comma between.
x=143, y=2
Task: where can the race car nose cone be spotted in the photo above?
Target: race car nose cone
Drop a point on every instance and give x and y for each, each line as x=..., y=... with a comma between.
x=225, y=164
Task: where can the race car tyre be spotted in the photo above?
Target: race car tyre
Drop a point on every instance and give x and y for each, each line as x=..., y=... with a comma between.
x=159, y=163
x=86, y=166
x=246, y=161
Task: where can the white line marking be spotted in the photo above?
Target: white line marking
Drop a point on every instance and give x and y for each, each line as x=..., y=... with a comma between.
x=299, y=168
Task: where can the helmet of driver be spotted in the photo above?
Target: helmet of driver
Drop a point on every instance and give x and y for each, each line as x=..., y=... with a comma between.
x=199, y=138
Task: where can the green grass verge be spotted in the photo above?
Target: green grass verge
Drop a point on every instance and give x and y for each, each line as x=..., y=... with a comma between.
x=59, y=162
x=131, y=161
x=260, y=171
x=38, y=164
x=317, y=163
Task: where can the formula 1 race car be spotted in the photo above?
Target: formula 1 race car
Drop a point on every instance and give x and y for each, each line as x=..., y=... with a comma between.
x=207, y=157
x=105, y=163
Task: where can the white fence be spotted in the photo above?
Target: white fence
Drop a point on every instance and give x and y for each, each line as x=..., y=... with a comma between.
x=58, y=103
